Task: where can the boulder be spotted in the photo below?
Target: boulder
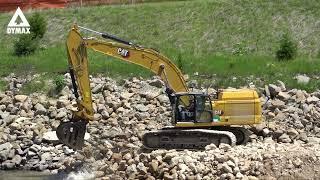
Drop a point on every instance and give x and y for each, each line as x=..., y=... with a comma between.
x=277, y=103
x=67, y=150
x=265, y=132
x=40, y=109
x=281, y=85
x=154, y=166
x=141, y=168
x=297, y=162
x=5, y=151
x=156, y=82
x=280, y=117
x=225, y=168
x=302, y=79
x=6, y=100
x=163, y=98
x=62, y=103
x=292, y=133
x=300, y=97
x=50, y=136
x=274, y=90
x=131, y=169
x=98, y=88
x=17, y=159
x=284, y=96
x=284, y=138
x=98, y=174
x=20, y=98
x=312, y=99
x=62, y=114
x=141, y=108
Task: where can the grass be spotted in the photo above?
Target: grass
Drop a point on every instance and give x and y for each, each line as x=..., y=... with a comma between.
x=3, y=85
x=40, y=84
x=204, y=33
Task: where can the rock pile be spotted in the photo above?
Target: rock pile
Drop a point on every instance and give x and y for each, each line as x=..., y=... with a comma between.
x=290, y=115
x=286, y=146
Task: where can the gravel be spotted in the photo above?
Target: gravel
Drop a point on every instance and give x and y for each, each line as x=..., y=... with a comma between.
x=285, y=145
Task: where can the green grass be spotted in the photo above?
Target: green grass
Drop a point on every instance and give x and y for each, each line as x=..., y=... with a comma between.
x=38, y=84
x=204, y=32
x=3, y=85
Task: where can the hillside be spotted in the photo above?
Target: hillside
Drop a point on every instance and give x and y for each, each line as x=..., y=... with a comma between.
x=224, y=39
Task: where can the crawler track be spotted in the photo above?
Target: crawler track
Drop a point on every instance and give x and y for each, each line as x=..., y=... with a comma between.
x=177, y=138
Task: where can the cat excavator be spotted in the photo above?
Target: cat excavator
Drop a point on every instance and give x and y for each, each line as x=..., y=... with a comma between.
x=198, y=119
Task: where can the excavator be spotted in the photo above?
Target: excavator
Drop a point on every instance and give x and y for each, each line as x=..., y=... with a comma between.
x=198, y=118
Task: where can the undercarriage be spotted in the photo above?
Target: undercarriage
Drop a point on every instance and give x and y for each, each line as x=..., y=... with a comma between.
x=192, y=138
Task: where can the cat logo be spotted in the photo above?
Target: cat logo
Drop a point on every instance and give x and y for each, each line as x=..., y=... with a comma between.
x=18, y=27
x=218, y=112
x=123, y=52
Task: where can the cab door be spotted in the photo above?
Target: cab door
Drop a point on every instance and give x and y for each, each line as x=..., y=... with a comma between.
x=203, y=109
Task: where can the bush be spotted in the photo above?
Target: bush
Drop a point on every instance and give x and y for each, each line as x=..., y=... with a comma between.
x=38, y=25
x=25, y=45
x=59, y=83
x=287, y=49
x=28, y=43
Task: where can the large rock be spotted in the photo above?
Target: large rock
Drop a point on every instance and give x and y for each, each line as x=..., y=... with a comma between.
x=284, y=96
x=5, y=151
x=274, y=90
x=141, y=168
x=46, y=156
x=277, y=103
x=62, y=103
x=292, y=133
x=281, y=85
x=163, y=98
x=300, y=97
x=98, y=88
x=149, y=95
x=40, y=109
x=156, y=82
x=131, y=169
x=257, y=129
x=105, y=114
x=6, y=100
x=312, y=99
x=62, y=114
x=126, y=95
x=20, y=98
x=302, y=79
x=280, y=117
x=284, y=138
x=154, y=166
x=226, y=168
x=17, y=159
x=297, y=162
x=141, y=108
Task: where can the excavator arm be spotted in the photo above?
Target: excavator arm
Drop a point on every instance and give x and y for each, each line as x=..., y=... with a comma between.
x=72, y=133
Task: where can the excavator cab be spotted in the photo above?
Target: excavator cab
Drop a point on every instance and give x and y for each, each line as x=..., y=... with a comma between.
x=192, y=107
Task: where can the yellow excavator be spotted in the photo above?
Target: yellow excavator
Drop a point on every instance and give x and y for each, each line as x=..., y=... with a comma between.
x=198, y=119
